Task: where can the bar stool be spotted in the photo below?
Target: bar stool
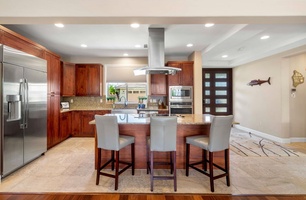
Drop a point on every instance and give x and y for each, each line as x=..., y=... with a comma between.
x=162, y=139
x=108, y=138
x=218, y=140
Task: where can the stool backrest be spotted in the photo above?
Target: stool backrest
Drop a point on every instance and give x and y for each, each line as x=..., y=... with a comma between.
x=219, y=135
x=163, y=133
x=107, y=132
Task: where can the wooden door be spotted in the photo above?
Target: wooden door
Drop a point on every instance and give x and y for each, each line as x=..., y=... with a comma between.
x=186, y=75
x=76, y=123
x=81, y=82
x=174, y=79
x=65, y=125
x=88, y=129
x=159, y=84
x=67, y=79
x=94, y=79
x=53, y=74
x=53, y=114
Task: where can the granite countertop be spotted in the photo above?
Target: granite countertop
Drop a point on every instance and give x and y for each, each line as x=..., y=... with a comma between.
x=83, y=109
x=187, y=119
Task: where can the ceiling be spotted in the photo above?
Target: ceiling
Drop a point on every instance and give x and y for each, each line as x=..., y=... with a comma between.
x=241, y=42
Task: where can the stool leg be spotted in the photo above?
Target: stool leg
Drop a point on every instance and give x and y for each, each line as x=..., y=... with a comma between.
x=152, y=170
x=226, y=157
x=98, y=166
x=113, y=159
x=171, y=163
x=211, y=171
x=133, y=158
x=174, y=170
x=204, y=152
x=187, y=158
x=148, y=161
x=117, y=170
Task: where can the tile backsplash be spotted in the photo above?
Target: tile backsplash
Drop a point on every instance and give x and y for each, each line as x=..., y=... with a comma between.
x=87, y=102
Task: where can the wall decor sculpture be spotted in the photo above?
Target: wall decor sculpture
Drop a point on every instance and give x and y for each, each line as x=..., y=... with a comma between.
x=259, y=82
x=297, y=78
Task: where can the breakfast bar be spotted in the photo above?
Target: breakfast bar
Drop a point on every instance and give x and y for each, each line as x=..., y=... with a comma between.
x=138, y=125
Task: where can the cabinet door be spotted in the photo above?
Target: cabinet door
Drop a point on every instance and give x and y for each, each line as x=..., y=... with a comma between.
x=53, y=74
x=76, y=123
x=88, y=129
x=186, y=78
x=102, y=112
x=67, y=79
x=65, y=125
x=159, y=84
x=174, y=79
x=53, y=110
x=94, y=81
x=81, y=83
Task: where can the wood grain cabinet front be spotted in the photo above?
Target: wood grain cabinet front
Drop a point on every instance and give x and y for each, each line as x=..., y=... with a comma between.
x=53, y=112
x=88, y=79
x=184, y=77
x=53, y=73
x=67, y=79
x=159, y=84
x=65, y=125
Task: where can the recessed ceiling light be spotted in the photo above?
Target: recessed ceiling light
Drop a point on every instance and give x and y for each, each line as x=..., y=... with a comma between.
x=59, y=25
x=189, y=45
x=224, y=56
x=265, y=37
x=134, y=25
x=84, y=45
x=125, y=54
x=137, y=45
x=209, y=25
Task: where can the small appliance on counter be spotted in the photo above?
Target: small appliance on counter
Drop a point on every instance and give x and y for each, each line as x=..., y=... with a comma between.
x=65, y=105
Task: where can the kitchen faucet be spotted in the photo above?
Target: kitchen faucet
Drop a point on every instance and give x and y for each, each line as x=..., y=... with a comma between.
x=125, y=101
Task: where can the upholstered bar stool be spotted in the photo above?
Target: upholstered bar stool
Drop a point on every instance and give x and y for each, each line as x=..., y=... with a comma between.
x=108, y=138
x=162, y=139
x=218, y=140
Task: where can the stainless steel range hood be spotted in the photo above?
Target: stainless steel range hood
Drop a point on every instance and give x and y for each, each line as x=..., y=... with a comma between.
x=156, y=55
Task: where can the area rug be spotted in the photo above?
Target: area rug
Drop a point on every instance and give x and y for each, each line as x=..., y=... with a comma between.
x=248, y=144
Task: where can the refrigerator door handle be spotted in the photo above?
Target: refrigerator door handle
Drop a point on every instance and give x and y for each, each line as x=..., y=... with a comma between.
x=22, y=92
x=26, y=95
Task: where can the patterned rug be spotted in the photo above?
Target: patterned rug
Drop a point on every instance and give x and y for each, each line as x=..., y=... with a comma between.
x=247, y=144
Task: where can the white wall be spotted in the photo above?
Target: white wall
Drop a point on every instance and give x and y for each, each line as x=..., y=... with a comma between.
x=269, y=108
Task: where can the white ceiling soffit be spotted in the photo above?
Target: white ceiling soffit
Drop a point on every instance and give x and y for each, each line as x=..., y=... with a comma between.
x=242, y=44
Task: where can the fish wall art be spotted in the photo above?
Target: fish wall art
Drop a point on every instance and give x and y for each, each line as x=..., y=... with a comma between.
x=259, y=82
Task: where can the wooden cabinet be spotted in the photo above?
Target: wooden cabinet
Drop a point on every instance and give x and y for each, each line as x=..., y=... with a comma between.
x=80, y=122
x=53, y=73
x=88, y=79
x=67, y=79
x=184, y=77
x=53, y=111
x=65, y=125
x=159, y=84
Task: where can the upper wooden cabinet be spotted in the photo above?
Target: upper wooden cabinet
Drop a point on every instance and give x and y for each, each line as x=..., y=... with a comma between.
x=88, y=79
x=159, y=84
x=67, y=79
x=184, y=77
x=53, y=73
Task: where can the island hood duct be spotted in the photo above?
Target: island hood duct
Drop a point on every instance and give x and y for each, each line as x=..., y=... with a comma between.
x=156, y=55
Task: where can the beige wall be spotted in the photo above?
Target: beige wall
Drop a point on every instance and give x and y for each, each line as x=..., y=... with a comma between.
x=196, y=57
x=269, y=108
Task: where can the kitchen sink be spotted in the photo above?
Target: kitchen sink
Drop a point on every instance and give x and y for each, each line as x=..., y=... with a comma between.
x=124, y=111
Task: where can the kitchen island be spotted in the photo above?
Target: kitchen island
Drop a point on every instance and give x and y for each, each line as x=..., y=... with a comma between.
x=139, y=126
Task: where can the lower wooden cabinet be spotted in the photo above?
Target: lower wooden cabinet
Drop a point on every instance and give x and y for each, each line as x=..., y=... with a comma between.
x=65, y=125
x=80, y=122
x=53, y=113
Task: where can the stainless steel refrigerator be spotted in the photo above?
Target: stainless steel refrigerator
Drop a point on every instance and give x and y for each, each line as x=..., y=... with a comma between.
x=23, y=108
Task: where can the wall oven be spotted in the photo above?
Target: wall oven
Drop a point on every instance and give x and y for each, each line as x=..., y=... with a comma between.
x=180, y=94
x=180, y=108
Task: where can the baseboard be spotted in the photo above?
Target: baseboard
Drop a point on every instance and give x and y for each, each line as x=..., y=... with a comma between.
x=271, y=137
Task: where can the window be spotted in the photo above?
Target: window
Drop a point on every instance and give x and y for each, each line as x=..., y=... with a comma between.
x=217, y=91
x=128, y=91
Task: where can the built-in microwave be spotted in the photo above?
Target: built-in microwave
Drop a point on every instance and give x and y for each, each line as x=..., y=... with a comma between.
x=180, y=93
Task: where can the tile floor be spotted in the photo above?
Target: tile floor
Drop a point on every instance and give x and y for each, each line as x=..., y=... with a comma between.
x=69, y=167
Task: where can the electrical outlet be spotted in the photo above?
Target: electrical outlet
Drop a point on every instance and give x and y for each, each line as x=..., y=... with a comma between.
x=101, y=100
x=71, y=100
